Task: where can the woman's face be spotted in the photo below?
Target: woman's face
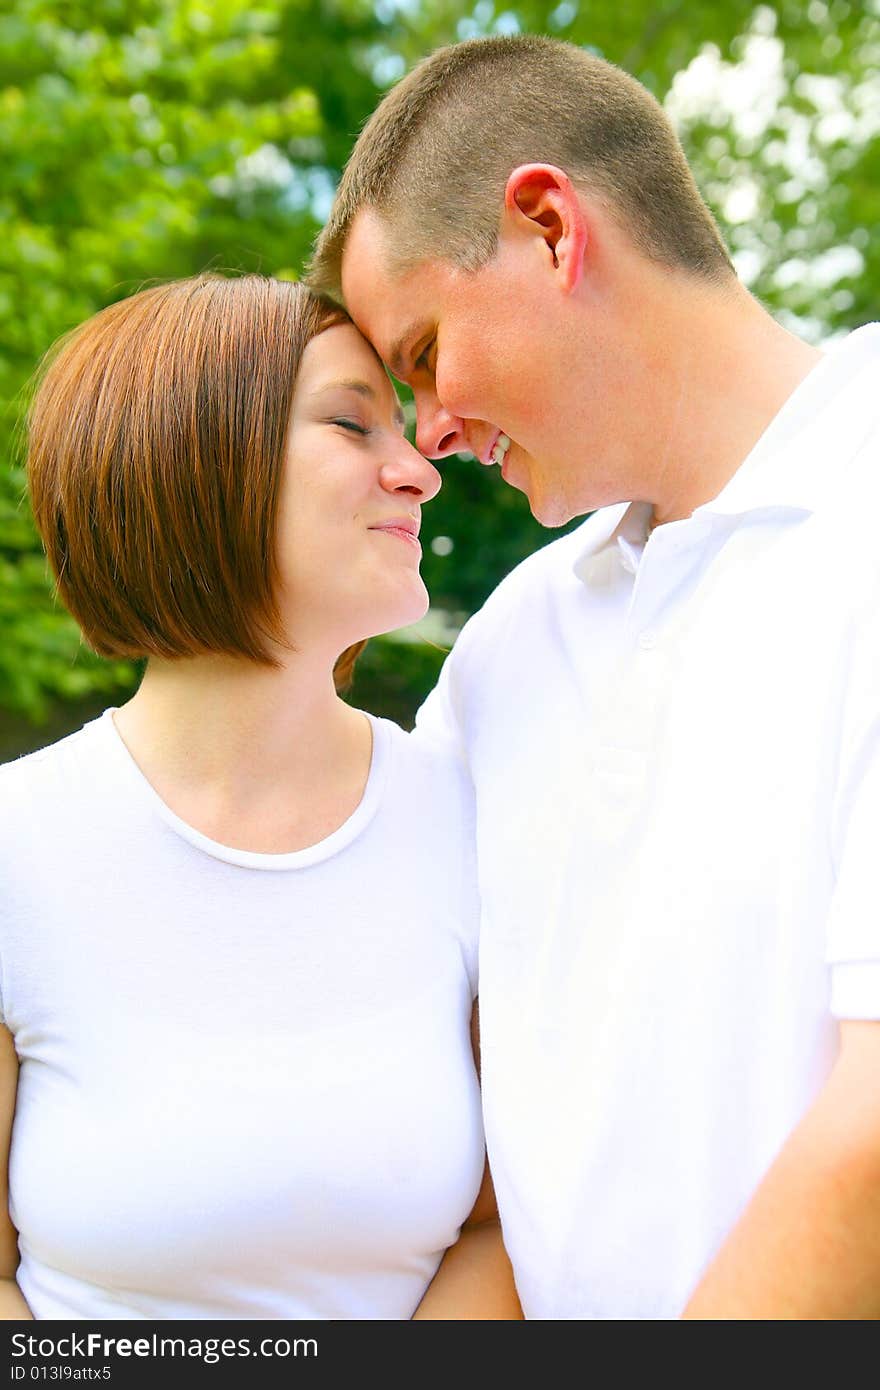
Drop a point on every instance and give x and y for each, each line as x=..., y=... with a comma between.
x=351, y=499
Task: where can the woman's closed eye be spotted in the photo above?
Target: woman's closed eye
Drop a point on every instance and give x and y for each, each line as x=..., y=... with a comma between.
x=351, y=425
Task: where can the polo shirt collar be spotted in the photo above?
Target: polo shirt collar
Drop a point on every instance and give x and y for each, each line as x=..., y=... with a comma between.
x=597, y=534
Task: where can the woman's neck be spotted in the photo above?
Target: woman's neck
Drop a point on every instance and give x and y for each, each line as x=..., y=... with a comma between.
x=255, y=757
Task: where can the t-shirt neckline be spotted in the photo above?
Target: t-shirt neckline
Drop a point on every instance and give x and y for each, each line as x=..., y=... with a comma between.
x=333, y=843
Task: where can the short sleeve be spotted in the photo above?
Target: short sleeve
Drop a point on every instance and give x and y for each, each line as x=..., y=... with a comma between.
x=470, y=893
x=445, y=720
x=440, y=728
x=853, y=938
x=437, y=722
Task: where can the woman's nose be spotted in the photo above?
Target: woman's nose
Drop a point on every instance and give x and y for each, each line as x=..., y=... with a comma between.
x=409, y=472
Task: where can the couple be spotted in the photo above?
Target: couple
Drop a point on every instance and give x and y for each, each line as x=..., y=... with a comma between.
x=239, y=930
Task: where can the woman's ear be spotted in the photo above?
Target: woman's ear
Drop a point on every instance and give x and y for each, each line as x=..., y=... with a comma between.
x=543, y=202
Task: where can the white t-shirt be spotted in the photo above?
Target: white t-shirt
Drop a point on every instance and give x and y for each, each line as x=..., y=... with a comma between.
x=246, y=1085
x=676, y=756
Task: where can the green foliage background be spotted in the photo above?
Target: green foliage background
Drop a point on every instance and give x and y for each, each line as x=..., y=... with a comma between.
x=147, y=139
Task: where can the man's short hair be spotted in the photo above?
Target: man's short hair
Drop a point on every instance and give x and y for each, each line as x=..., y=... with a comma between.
x=434, y=158
x=156, y=444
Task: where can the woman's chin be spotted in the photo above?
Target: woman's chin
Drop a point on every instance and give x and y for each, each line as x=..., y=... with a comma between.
x=402, y=611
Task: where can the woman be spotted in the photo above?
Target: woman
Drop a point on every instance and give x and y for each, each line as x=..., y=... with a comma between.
x=238, y=920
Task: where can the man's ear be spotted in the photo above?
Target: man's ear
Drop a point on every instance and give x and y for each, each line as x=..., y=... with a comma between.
x=545, y=198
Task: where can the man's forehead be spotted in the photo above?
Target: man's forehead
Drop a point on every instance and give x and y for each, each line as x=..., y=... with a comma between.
x=380, y=303
x=363, y=271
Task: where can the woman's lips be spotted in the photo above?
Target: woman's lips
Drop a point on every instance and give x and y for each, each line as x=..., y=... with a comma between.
x=406, y=531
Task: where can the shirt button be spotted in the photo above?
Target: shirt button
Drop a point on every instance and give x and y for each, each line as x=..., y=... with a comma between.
x=647, y=641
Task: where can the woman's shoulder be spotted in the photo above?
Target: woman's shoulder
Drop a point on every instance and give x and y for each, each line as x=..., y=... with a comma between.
x=45, y=761
x=39, y=784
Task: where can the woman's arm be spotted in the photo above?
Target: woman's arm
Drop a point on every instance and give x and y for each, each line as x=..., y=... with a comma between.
x=12, y=1304
x=475, y=1278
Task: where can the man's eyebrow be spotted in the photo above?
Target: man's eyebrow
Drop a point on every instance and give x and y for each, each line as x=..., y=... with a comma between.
x=363, y=388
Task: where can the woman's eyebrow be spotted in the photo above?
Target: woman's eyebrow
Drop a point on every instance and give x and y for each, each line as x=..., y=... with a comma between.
x=363, y=388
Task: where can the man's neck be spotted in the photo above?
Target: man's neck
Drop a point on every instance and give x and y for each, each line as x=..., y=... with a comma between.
x=731, y=368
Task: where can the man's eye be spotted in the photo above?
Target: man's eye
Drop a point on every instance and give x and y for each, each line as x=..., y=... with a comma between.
x=422, y=359
x=351, y=425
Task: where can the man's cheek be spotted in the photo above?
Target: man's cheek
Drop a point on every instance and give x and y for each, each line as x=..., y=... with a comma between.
x=461, y=389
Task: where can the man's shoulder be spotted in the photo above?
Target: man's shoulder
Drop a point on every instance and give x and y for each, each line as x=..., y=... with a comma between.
x=428, y=771
x=549, y=570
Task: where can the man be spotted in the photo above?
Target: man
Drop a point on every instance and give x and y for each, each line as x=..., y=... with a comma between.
x=671, y=715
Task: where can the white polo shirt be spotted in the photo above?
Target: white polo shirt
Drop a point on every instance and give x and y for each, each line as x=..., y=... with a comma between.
x=676, y=755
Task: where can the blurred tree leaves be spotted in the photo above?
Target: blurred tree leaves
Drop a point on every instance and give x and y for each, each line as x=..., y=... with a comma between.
x=148, y=139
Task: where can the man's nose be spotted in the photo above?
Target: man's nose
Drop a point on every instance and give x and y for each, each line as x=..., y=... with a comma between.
x=438, y=432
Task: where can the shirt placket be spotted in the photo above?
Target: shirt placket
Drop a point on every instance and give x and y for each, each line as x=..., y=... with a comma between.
x=627, y=731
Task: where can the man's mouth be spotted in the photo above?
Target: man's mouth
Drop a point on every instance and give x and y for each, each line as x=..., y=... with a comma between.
x=498, y=452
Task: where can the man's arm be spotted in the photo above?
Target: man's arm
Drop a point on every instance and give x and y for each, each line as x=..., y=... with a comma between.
x=808, y=1244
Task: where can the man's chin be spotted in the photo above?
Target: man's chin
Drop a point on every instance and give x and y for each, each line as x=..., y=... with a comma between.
x=548, y=509
x=550, y=512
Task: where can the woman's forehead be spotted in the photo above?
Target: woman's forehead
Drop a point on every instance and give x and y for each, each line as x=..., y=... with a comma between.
x=341, y=357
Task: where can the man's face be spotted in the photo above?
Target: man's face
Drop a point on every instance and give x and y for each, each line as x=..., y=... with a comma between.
x=487, y=355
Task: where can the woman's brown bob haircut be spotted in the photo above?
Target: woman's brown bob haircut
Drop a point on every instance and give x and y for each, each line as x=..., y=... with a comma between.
x=435, y=156
x=156, y=444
